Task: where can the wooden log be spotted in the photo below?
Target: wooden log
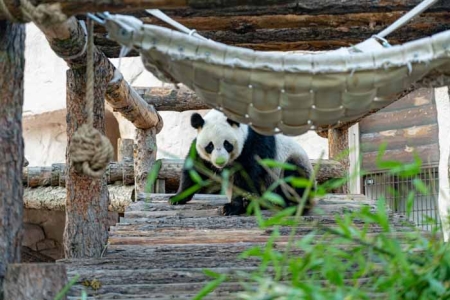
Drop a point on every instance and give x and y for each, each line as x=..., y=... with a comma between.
x=145, y=156
x=54, y=198
x=35, y=281
x=12, y=64
x=130, y=105
x=290, y=31
x=163, y=98
x=67, y=40
x=405, y=118
x=171, y=170
x=55, y=175
x=338, y=150
x=196, y=8
x=400, y=138
x=428, y=153
x=126, y=151
x=420, y=97
x=86, y=230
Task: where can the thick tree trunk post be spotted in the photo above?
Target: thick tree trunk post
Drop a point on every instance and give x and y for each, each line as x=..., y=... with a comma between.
x=38, y=281
x=338, y=150
x=12, y=63
x=86, y=231
x=145, y=157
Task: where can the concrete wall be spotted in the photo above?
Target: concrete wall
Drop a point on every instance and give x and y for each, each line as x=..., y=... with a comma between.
x=45, y=102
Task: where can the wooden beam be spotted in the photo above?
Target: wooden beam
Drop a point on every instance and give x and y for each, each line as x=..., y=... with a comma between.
x=54, y=198
x=12, y=64
x=67, y=40
x=292, y=31
x=170, y=171
x=338, y=150
x=164, y=98
x=194, y=8
x=145, y=157
x=129, y=104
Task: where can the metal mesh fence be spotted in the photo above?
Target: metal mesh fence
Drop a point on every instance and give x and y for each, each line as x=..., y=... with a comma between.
x=395, y=189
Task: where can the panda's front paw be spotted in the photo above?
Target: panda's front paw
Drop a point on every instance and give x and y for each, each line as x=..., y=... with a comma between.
x=174, y=201
x=232, y=209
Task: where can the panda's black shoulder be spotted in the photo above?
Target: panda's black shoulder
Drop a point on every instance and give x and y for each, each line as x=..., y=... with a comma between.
x=258, y=144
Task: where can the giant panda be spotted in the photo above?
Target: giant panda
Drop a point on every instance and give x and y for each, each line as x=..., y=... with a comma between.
x=223, y=144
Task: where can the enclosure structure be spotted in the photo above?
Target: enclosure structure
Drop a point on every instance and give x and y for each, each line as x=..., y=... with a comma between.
x=87, y=199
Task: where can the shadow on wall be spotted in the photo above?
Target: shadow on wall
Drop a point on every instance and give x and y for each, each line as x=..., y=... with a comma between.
x=45, y=137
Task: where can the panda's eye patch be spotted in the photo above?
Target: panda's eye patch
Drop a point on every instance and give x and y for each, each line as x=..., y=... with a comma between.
x=209, y=148
x=228, y=146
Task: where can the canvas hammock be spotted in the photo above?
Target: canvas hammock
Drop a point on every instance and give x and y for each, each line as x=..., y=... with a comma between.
x=279, y=92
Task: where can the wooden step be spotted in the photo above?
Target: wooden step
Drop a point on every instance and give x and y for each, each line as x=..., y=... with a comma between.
x=159, y=251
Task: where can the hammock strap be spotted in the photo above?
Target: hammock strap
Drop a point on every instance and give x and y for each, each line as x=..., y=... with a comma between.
x=407, y=17
x=165, y=18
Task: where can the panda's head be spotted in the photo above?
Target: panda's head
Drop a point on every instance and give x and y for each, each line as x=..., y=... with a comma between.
x=219, y=139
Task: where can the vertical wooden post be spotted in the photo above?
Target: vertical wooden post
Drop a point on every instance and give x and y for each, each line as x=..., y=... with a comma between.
x=145, y=157
x=126, y=150
x=126, y=160
x=12, y=63
x=338, y=150
x=86, y=230
x=40, y=281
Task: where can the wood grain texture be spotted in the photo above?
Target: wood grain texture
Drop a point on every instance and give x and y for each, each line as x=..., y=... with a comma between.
x=164, y=98
x=406, y=126
x=208, y=7
x=37, y=281
x=145, y=157
x=86, y=230
x=12, y=64
x=161, y=250
x=400, y=119
x=123, y=172
x=338, y=150
x=171, y=170
x=400, y=138
x=428, y=153
x=54, y=198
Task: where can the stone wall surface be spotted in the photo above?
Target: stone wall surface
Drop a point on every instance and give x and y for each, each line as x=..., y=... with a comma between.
x=43, y=231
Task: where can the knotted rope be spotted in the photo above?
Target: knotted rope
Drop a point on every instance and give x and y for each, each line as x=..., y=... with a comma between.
x=90, y=151
x=43, y=14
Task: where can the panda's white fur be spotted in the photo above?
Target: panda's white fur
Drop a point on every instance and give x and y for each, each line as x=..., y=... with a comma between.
x=215, y=128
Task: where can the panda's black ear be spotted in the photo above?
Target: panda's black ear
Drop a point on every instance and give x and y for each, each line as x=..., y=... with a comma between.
x=197, y=121
x=232, y=123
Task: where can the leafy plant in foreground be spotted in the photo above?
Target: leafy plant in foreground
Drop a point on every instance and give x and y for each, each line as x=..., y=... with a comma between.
x=346, y=261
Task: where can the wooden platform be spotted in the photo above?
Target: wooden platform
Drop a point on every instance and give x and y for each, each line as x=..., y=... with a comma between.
x=158, y=251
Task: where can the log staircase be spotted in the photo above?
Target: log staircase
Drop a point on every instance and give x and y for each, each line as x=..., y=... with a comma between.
x=158, y=251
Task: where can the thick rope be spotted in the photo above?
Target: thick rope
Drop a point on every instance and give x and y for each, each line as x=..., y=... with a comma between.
x=90, y=151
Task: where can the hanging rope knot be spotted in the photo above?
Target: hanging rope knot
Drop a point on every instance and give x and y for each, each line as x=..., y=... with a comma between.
x=90, y=151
